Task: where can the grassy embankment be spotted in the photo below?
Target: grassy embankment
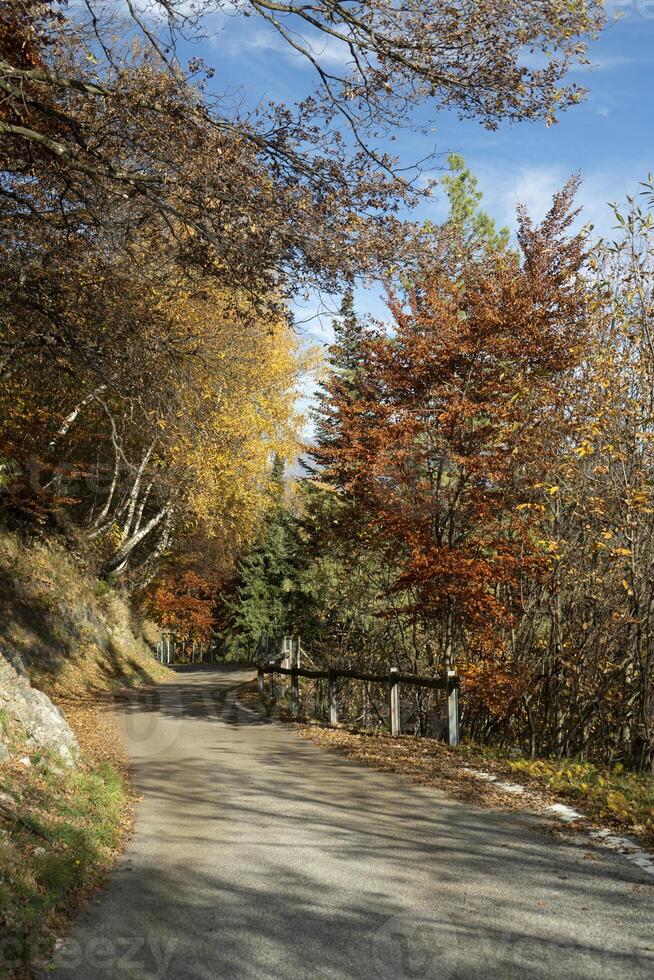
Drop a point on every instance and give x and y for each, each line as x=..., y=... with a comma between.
x=61, y=830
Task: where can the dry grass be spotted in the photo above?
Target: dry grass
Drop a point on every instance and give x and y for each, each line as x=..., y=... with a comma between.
x=61, y=831
x=74, y=632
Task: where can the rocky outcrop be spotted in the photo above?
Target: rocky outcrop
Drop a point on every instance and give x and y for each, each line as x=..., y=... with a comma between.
x=70, y=631
x=30, y=716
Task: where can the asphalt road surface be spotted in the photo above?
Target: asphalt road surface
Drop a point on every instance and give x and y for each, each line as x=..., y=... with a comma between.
x=257, y=854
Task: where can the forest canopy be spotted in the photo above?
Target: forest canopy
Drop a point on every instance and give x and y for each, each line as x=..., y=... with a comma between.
x=479, y=491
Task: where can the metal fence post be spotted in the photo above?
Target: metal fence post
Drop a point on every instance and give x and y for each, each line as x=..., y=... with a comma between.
x=333, y=702
x=295, y=694
x=452, y=709
x=395, y=701
x=271, y=684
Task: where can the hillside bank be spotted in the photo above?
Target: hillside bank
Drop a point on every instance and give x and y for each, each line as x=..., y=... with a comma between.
x=69, y=643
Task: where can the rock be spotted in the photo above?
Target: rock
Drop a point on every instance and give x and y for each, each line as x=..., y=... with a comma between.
x=41, y=722
x=15, y=660
x=25, y=761
x=5, y=754
x=48, y=765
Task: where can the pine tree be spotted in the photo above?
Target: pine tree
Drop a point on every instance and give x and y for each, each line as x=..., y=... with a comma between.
x=267, y=580
x=345, y=354
x=474, y=229
x=473, y=223
x=346, y=360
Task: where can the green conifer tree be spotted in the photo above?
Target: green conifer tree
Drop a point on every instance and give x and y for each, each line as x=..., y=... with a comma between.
x=267, y=577
x=345, y=365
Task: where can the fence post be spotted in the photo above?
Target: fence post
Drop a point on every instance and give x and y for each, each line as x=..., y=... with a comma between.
x=395, y=701
x=295, y=693
x=452, y=709
x=333, y=703
x=260, y=682
x=271, y=683
x=286, y=661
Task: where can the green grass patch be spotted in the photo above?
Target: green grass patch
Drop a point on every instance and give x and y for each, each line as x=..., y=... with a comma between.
x=58, y=834
x=616, y=795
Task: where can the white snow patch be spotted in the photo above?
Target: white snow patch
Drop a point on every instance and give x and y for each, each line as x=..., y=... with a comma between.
x=565, y=813
x=622, y=845
x=490, y=778
x=478, y=774
x=628, y=848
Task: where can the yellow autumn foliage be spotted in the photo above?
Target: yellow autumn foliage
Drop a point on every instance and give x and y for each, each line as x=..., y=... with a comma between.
x=236, y=409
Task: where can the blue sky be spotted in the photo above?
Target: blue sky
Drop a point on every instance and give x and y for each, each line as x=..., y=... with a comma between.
x=609, y=138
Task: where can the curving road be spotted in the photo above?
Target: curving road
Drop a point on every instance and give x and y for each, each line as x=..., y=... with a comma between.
x=257, y=854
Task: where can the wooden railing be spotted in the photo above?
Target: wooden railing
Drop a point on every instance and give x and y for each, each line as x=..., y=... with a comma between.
x=394, y=679
x=170, y=650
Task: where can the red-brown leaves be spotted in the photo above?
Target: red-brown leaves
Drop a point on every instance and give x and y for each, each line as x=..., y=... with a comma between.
x=457, y=409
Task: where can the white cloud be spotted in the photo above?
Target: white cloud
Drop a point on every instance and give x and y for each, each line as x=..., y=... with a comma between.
x=532, y=187
x=535, y=185
x=242, y=37
x=608, y=62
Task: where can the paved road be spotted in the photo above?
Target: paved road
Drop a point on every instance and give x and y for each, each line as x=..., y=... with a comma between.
x=257, y=854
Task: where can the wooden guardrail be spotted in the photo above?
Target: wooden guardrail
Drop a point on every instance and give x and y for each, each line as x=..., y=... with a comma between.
x=394, y=679
x=170, y=650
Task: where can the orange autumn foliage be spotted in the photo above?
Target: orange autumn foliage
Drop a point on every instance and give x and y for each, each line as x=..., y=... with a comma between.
x=446, y=444
x=183, y=600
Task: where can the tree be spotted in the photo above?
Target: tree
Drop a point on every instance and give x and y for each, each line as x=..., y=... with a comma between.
x=99, y=119
x=484, y=496
x=344, y=366
x=177, y=437
x=473, y=226
x=265, y=595
x=588, y=626
x=183, y=600
x=444, y=450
